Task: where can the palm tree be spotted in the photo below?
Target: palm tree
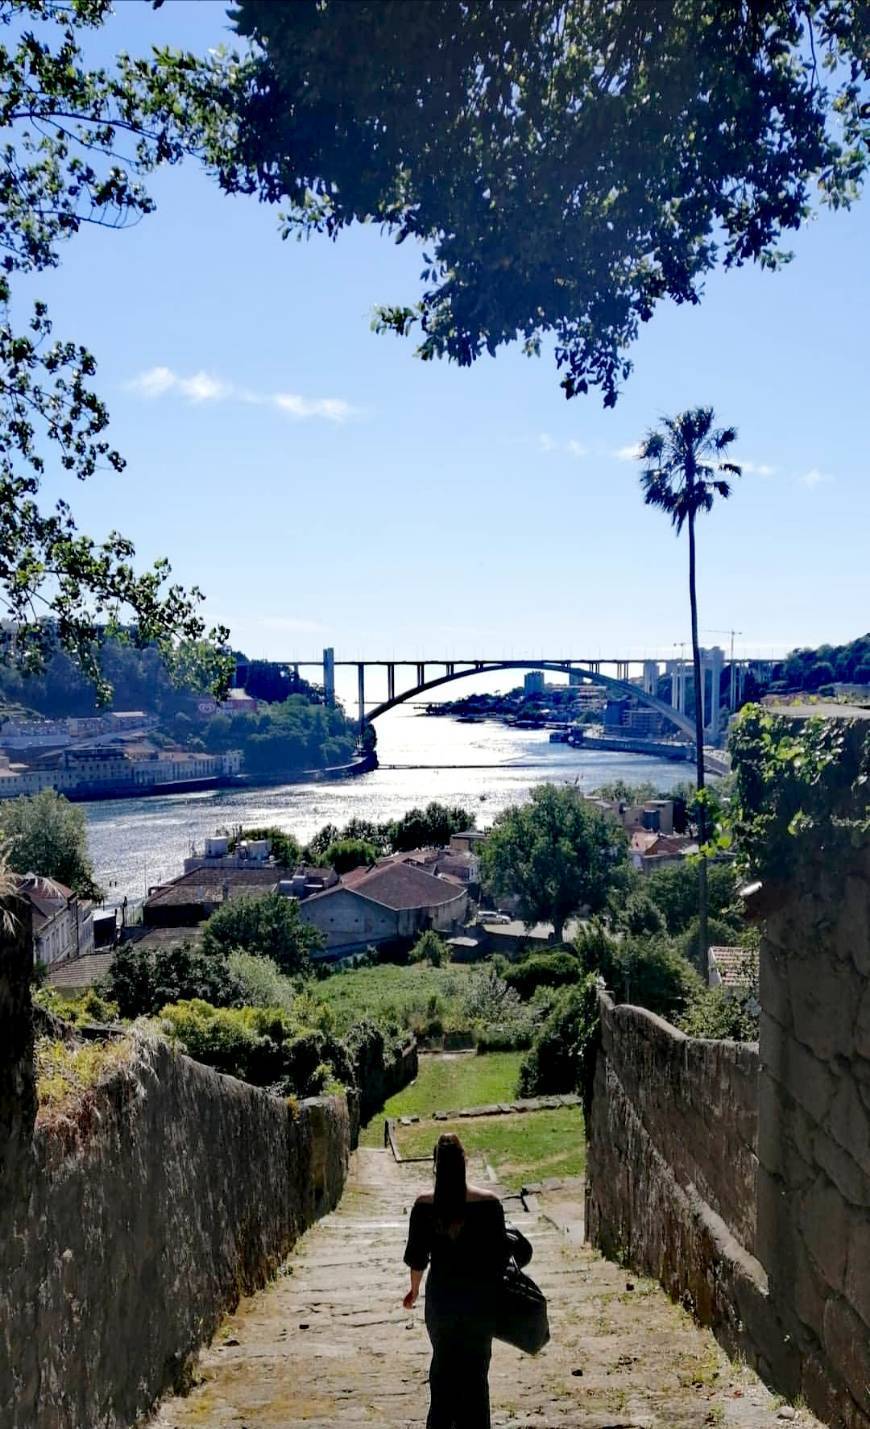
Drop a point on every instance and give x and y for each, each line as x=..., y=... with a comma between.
x=683, y=473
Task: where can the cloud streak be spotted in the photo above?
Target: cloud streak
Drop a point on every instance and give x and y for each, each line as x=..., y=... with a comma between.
x=814, y=478
x=204, y=388
x=572, y=447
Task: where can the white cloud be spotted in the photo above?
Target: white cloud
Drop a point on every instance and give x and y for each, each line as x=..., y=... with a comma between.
x=630, y=453
x=334, y=409
x=754, y=468
x=571, y=447
x=153, y=383
x=205, y=387
x=814, y=477
x=202, y=387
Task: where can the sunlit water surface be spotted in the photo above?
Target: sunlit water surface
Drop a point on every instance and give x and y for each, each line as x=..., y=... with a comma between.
x=136, y=842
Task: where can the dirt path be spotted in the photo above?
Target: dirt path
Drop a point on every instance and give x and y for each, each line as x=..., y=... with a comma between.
x=328, y=1343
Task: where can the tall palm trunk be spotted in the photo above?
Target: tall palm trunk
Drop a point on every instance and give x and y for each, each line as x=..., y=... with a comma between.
x=699, y=753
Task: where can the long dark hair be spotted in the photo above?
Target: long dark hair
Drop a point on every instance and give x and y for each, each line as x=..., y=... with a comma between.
x=449, y=1184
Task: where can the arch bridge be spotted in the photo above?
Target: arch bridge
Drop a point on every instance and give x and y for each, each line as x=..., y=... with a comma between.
x=428, y=675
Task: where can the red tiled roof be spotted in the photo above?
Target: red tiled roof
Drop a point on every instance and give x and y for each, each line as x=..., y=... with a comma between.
x=735, y=965
x=397, y=885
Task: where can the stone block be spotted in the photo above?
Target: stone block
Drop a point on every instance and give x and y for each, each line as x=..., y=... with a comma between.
x=851, y=1181
x=849, y=1122
x=772, y=1123
x=809, y=1291
x=807, y=1079
x=862, y=1026
x=858, y=1266
x=853, y=932
x=824, y=995
x=773, y=988
x=823, y=1221
x=848, y=1348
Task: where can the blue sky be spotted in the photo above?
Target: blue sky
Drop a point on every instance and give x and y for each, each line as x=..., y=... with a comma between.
x=323, y=486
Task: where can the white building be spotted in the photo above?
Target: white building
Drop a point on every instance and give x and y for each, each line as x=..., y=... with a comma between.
x=62, y=925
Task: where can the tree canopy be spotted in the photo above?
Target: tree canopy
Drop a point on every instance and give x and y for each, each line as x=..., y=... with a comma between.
x=566, y=164
x=555, y=854
x=77, y=143
x=268, y=926
x=47, y=835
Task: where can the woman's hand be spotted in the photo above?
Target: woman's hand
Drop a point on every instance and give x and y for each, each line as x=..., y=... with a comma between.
x=410, y=1299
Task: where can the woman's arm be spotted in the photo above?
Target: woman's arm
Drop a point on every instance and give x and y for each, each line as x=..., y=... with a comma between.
x=410, y=1299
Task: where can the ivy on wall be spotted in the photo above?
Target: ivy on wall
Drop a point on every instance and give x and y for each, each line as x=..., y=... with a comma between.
x=802, y=789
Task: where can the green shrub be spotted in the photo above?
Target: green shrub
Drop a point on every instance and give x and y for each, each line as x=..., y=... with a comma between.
x=723, y=1014
x=90, y=1006
x=430, y=948
x=718, y=933
x=652, y=974
x=140, y=981
x=543, y=970
x=261, y=982
x=639, y=915
x=561, y=1055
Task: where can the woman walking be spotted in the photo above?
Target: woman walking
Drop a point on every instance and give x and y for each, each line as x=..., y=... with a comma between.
x=459, y=1232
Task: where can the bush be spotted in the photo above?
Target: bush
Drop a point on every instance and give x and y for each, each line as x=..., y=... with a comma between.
x=717, y=933
x=639, y=915
x=90, y=1006
x=261, y=982
x=430, y=948
x=262, y=1045
x=722, y=1014
x=652, y=974
x=543, y=970
x=140, y=982
x=561, y=1056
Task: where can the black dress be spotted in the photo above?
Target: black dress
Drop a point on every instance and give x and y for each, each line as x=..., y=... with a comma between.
x=464, y=1273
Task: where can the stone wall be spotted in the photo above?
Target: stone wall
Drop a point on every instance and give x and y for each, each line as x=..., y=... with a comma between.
x=132, y=1225
x=757, y=1213
x=671, y=1173
x=814, y=1134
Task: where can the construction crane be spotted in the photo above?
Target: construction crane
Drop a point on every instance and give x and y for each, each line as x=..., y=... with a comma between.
x=733, y=688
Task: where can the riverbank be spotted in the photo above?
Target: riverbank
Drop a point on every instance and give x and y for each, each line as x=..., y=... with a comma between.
x=91, y=794
x=134, y=843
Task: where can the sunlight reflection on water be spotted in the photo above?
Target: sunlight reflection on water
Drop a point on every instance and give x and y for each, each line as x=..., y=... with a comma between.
x=136, y=842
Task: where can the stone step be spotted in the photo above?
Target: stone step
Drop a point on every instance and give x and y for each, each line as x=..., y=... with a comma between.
x=328, y=1345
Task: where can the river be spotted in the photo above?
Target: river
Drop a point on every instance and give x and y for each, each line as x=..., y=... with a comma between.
x=485, y=767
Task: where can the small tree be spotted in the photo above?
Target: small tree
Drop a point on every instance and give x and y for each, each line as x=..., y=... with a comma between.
x=561, y=1057
x=430, y=948
x=47, y=835
x=345, y=854
x=683, y=472
x=556, y=854
x=269, y=926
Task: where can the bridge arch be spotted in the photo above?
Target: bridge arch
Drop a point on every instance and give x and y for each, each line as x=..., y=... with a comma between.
x=622, y=687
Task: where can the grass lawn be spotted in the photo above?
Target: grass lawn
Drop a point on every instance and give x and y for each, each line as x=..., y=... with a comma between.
x=447, y=1082
x=520, y=1149
x=404, y=991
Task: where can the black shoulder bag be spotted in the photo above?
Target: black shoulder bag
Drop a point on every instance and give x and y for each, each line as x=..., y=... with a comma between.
x=520, y=1307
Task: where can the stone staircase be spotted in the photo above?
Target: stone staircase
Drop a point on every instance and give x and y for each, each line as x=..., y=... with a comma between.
x=328, y=1344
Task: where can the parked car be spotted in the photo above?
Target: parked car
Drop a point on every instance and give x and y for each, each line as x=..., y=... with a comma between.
x=489, y=915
